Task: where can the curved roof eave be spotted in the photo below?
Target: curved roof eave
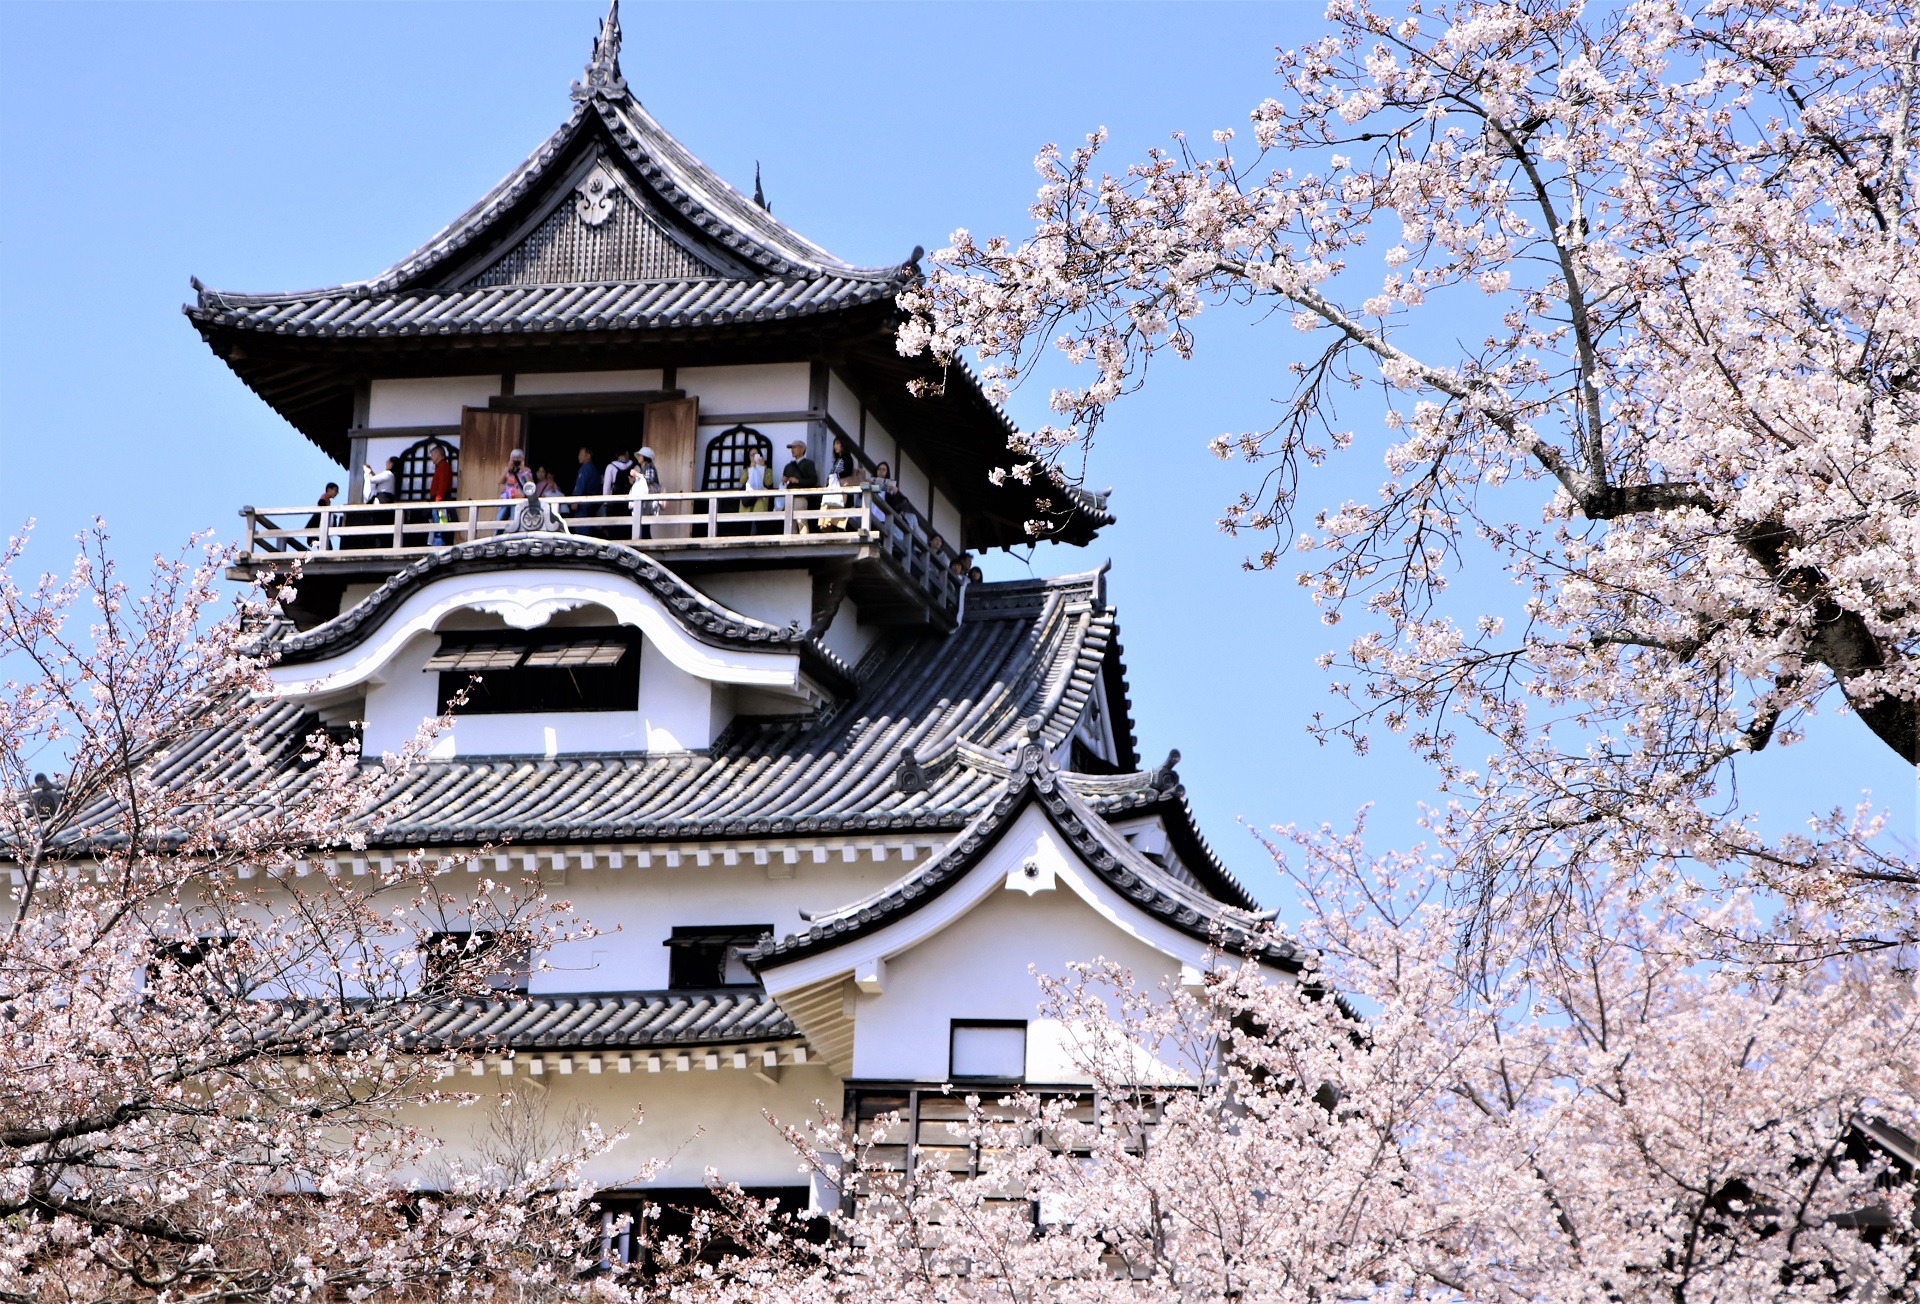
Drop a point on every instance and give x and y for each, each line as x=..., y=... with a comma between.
x=1034, y=781
x=702, y=617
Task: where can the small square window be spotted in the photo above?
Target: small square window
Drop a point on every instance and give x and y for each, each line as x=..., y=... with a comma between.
x=989, y=1048
x=709, y=956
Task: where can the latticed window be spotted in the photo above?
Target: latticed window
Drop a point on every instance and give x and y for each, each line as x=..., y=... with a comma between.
x=413, y=479
x=727, y=456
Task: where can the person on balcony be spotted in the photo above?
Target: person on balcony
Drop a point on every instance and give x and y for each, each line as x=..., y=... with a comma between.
x=545, y=485
x=440, y=490
x=586, y=483
x=801, y=473
x=646, y=487
x=321, y=523
x=617, y=479
x=515, y=481
x=757, y=475
x=381, y=485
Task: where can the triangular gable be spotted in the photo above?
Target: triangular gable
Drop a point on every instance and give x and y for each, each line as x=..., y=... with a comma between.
x=1034, y=783
x=597, y=223
x=656, y=213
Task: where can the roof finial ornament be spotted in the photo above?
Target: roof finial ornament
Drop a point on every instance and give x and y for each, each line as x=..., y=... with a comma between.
x=759, y=195
x=603, y=69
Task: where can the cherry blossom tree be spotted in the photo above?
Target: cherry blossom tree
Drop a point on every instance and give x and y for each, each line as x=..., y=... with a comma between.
x=1627, y=1126
x=205, y=1064
x=1637, y=286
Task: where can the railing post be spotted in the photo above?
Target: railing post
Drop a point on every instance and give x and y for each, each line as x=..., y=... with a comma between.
x=713, y=518
x=399, y=526
x=786, y=525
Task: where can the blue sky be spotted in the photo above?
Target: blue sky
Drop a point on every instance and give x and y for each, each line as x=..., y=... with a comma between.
x=278, y=146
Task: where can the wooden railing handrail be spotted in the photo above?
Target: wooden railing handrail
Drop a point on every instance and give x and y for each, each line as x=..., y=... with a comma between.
x=410, y=526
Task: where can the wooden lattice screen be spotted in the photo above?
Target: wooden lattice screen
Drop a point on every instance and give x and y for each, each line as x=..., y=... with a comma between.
x=727, y=455
x=415, y=473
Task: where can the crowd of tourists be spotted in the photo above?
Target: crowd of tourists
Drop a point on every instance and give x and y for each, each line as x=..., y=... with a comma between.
x=623, y=500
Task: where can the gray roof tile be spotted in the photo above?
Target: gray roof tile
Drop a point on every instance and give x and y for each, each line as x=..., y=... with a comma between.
x=597, y=1021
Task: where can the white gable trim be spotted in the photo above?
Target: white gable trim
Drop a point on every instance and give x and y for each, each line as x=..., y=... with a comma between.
x=527, y=599
x=1005, y=868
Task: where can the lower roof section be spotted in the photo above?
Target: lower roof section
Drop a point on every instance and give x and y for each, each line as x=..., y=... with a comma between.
x=596, y=1021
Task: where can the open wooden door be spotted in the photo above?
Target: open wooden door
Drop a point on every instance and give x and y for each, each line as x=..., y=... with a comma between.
x=486, y=439
x=672, y=430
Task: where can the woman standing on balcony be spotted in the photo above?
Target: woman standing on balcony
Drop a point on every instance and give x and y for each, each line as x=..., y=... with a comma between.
x=646, y=484
x=757, y=475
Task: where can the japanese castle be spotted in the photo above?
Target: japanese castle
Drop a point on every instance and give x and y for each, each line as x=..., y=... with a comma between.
x=830, y=804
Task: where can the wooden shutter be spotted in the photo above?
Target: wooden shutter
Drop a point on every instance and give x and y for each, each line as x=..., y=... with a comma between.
x=486, y=437
x=671, y=432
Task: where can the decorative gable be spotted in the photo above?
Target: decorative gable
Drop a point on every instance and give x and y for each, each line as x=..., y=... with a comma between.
x=597, y=233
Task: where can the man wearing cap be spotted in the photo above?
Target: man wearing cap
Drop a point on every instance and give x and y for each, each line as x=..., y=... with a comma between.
x=801, y=473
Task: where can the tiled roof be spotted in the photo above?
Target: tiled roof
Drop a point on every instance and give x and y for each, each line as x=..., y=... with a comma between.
x=752, y=268
x=599, y=1021
x=533, y=309
x=1034, y=780
x=1027, y=650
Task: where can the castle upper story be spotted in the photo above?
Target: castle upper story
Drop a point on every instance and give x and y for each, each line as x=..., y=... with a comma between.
x=612, y=294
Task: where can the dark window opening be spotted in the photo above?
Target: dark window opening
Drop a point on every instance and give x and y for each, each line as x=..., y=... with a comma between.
x=507, y=671
x=453, y=960
x=554, y=440
x=709, y=955
x=727, y=455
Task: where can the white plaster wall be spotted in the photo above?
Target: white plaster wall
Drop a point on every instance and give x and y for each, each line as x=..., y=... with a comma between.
x=978, y=968
x=946, y=519
x=637, y=909
x=427, y=401
x=847, y=636
x=842, y=405
x=696, y=1119
x=585, y=382
x=779, y=597
x=766, y=387
x=913, y=483
x=676, y=708
x=881, y=446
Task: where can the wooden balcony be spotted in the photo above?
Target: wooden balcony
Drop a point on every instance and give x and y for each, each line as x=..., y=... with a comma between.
x=898, y=572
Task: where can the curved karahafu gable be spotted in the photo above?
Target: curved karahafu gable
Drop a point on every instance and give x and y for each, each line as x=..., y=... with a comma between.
x=1032, y=783
x=509, y=563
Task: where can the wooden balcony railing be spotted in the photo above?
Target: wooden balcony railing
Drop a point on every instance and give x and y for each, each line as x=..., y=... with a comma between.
x=665, y=522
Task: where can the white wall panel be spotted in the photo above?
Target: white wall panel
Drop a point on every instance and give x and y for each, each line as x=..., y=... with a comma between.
x=427, y=401
x=779, y=597
x=768, y=387
x=698, y=1119
x=585, y=382
x=946, y=519
x=842, y=405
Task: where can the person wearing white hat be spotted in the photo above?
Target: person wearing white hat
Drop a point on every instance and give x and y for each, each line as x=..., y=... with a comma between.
x=646, y=483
